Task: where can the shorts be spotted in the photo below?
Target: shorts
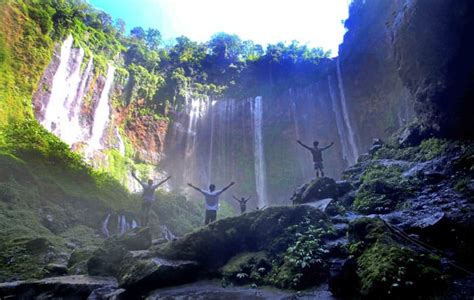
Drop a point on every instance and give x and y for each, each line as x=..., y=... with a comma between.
x=146, y=205
x=211, y=216
x=318, y=165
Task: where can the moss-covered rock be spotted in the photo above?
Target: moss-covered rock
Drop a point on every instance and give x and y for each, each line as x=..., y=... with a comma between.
x=317, y=189
x=382, y=189
x=247, y=267
x=396, y=272
x=267, y=229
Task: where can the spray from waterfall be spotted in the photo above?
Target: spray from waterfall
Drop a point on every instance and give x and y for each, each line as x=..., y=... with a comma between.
x=101, y=113
x=259, y=157
x=105, y=225
x=354, y=152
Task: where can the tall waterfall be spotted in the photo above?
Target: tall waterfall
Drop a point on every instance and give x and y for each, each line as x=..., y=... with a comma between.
x=353, y=154
x=341, y=129
x=101, y=113
x=61, y=112
x=259, y=157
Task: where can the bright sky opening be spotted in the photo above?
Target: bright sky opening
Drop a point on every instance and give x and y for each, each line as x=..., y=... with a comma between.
x=317, y=23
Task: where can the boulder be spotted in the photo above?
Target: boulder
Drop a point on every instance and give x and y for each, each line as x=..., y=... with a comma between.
x=106, y=261
x=264, y=230
x=317, y=189
x=56, y=269
x=140, y=276
x=65, y=287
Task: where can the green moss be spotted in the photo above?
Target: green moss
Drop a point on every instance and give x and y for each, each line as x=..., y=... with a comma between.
x=394, y=271
x=382, y=189
x=247, y=267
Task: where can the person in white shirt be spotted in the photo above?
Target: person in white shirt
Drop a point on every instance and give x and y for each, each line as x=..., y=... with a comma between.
x=212, y=201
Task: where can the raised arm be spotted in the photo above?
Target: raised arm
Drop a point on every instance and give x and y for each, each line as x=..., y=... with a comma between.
x=196, y=188
x=238, y=200
x=163, y=181
x=137, y=179
x=330, y=145
x=246, y=200
x=303, y=145
x=227, y=187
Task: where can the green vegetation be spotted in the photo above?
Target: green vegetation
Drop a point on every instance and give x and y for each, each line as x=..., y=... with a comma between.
x=388, y=269
x=303, y=263
x=382, y=189
x=427, y=150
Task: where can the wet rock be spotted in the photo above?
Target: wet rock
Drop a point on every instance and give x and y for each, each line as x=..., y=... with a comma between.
x=65, y=287
x=343, y=187
x=140, y=276
x=106, y=293
x=106, y=261
x=214, y=245
x=376, y=145
x=343, y=280
x=136, y=239
x=56, y=269
x=317, y=189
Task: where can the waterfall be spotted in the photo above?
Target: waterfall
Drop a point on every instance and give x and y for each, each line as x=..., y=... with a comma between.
x=61, y=117
x=294, y=117
x=336, y=107
x=105, y=224
x=211, y=145
x=77, y=131
x=350, y=132
x=259, y=158
x=101, y=113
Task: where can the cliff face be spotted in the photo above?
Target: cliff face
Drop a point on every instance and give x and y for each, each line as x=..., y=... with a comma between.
x=433, y=46
x=378, y=101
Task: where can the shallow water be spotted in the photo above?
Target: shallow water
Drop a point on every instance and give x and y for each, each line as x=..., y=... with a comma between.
x=211, y=290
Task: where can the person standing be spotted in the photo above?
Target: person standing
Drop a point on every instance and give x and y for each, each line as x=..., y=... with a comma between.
x=212, y=201
x=317, y=156
x=148, y=197
x=242, y=203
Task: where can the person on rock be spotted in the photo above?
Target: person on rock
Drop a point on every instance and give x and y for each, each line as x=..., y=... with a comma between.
x=243, y=203
x=212, y=201
x=317, y=156
x=148, y=197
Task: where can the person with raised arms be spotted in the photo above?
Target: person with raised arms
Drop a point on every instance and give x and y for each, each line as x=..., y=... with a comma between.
x=148, y=196
x=212, y=201
x=242, y=203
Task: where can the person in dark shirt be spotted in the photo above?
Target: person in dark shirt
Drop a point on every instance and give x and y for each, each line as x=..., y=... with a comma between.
x=317, y=156
x=212, y=201
x=243, y=203
x=148, y=196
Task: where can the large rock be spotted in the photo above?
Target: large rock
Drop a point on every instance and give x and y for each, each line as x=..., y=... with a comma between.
x=317, y=189
x=65, y=287
x=140, y=276
x=265, y=230
x=433, y=47
x=106, y=261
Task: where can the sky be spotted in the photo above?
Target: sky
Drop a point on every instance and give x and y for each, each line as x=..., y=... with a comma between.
x=317, y=23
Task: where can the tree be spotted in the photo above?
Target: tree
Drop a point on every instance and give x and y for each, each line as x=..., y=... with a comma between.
x=120, y=26
x=138, y=33
x=153, y=38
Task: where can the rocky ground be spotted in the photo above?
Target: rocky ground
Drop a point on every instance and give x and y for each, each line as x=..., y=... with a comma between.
x=399, y=225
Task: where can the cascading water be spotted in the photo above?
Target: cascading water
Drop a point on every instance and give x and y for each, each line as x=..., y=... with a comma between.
x=65, y=89
x=105, y=225
x=354, y=152
x=101, y=113
x=259, y=158
x=343, y=137
x=211, y=143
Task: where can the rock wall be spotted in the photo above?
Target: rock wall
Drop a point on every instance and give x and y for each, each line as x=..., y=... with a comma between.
x=378, y=101
x=433, y=46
